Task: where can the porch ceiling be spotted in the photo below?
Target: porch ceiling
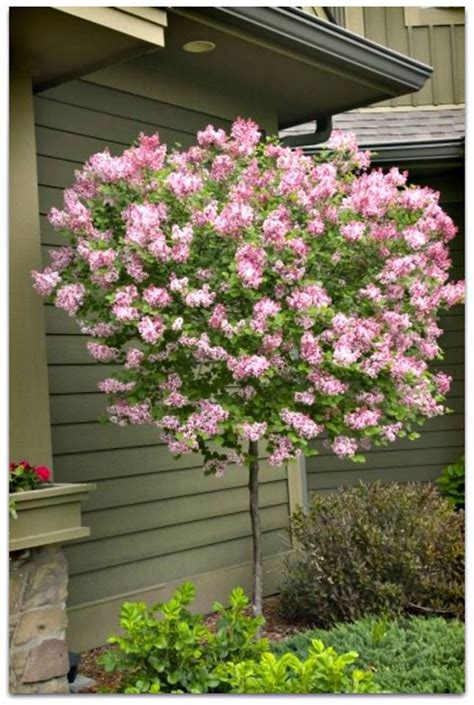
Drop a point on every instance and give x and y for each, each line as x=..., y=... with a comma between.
x=299, y=65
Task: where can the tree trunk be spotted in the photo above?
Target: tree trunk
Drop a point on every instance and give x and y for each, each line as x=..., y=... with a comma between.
x=257, y=587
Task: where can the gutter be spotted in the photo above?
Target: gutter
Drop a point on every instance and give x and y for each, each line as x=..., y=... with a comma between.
x=321, y=134
x=436, y=150
x=393, y=73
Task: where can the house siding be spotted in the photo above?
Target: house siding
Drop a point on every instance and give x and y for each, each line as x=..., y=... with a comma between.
x=153, y=519
x=441, y=438
x=435, y=36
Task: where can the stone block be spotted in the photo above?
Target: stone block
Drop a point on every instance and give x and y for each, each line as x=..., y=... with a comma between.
x=46, y=586
x=15, y=587
x=47, y=660
x=47, y=621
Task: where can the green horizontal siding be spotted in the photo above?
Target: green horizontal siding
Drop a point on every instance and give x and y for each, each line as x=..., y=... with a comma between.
x=104, y=583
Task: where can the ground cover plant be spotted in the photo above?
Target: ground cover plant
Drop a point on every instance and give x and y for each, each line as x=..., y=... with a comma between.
x=242, y=292
x=408, y=655
x=375, y=549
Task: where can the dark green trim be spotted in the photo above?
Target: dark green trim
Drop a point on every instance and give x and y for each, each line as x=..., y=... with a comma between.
x=299, y=31
x=321, y=133
x=448, y=153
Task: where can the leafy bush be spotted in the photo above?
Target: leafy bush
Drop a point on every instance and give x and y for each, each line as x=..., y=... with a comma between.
x=411, y=655
x=451, y=483
x=322, y=671
x=178, y=653
x=378, y=548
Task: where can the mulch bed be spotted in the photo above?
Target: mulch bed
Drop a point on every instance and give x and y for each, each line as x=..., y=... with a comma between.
x=275, y=629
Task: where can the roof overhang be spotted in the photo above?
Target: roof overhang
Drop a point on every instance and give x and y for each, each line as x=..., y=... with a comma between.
x=307, y=66
x=57, y=44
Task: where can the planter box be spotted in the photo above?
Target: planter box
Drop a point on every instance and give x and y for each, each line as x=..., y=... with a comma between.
x=49, y=515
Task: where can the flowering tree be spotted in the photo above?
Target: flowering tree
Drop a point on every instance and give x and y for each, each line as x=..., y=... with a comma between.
x=252, y=293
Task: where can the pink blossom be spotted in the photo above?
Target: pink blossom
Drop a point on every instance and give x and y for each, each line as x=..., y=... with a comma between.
x=207, y=420
x=222, y=167
x=253, y=431
x=250, y=264
x=134, y=358
x=246, y=136
x=45, y=282
x=362, y=418
x=248, y=366
x=151, y=329
x=310, y=349
x=344, y=447
x=122, y=413
x=70, y=298
x=183, y=183
x=390, y=431
x=443, y=382
x=301, y=423
x=200, y=297
x=306, y=398
x=102, y=353
x=156, y=296
x=353, y=231
x=210, y=137
x=125, y=313
x=311, y=295
x=112, y=386
x=176, y=399
x=415, y=238
x=283, y=450
x=234, y=218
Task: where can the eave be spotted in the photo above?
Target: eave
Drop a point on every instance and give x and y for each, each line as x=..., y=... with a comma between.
x=384, y=72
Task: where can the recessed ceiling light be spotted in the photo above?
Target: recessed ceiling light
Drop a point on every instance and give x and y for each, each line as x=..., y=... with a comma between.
x=199, y=46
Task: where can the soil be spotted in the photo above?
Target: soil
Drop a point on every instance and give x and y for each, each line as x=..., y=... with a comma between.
x=275, y=629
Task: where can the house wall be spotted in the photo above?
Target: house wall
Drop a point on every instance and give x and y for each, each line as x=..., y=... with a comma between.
x=433, y=35
x=442, y=438
x=154, y=520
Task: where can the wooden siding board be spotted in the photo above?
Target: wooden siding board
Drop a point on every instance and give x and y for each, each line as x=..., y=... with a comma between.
x=401, y=474
x=459, y=62
x=103, y=583
x=397, y=39
x=122, y=103
x=139, y=488
x=442, y=57
x=161, y=541
x=68, y=379
x=422, y=51
x=103, y=126
x=116, y=521
x=132, y=462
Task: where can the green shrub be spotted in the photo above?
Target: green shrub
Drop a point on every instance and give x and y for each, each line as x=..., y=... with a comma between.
x=178, y=653
x=411, y=655
x=375, y=549
x=322, y=671
x=451, y=483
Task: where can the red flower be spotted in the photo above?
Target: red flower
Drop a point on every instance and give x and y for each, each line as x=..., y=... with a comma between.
x=42, y=472
x=25, y=464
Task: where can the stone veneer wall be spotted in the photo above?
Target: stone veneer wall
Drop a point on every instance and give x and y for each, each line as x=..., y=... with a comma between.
x=39, y=658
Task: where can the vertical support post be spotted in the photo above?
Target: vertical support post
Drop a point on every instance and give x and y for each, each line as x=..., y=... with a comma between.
x=30, y=433
x=297, y=487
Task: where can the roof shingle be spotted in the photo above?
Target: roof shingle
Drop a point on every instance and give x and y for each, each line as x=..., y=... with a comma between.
x=394, y=125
